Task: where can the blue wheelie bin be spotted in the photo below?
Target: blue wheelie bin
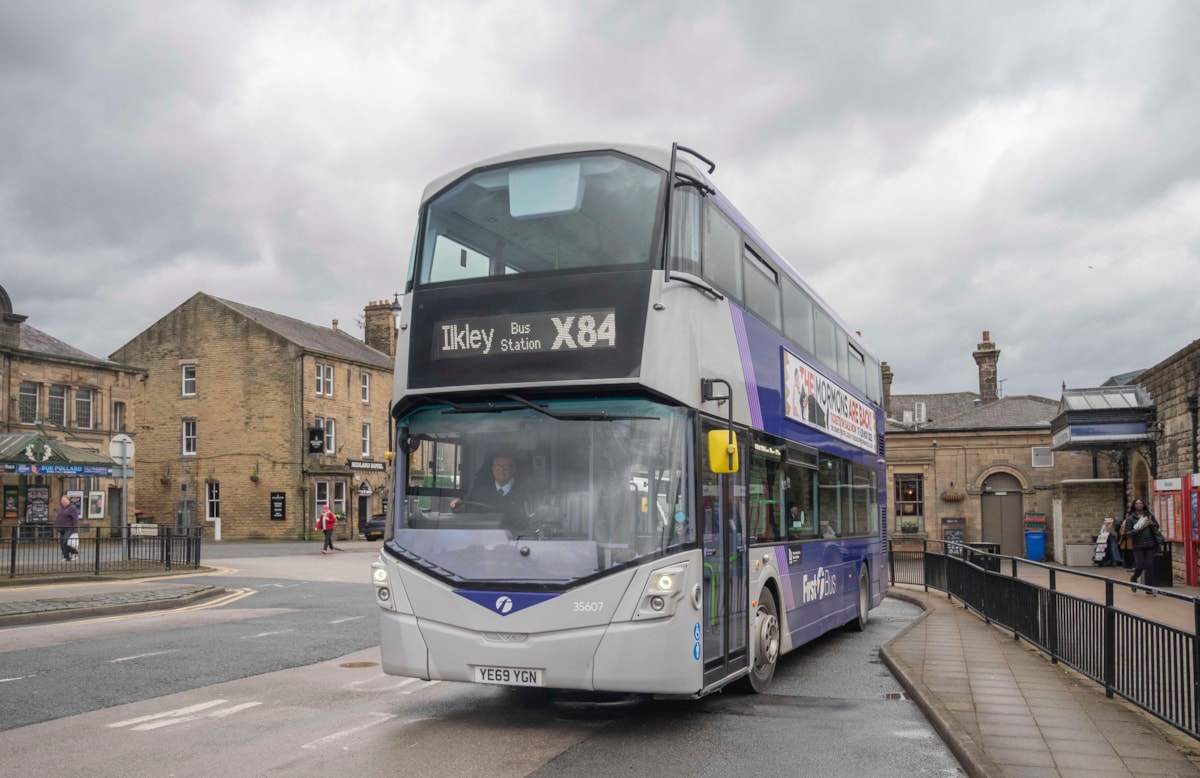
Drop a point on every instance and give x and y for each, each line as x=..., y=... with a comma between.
x=1035, y=537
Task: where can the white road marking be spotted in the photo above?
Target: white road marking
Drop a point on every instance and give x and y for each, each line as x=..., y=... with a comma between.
x=380, y=718
x=179, y=716
x=17, y=678
x=220, y=714
x=267, y=634
x=141, y=656
x=343, y=621
x=170, y=713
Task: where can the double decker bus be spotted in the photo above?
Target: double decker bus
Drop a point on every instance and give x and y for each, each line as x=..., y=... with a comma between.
x=682, y=442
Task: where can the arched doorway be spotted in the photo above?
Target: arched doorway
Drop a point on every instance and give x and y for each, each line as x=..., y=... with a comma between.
x=1000, y=507
x=1141, y=482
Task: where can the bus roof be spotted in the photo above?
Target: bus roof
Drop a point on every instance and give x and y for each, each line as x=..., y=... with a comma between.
x=654, y=155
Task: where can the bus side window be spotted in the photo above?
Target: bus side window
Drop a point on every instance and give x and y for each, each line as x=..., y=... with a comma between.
x=685, y=231
x=722, y=252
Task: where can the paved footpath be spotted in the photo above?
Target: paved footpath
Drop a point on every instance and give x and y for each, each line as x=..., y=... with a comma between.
x=1006, y=712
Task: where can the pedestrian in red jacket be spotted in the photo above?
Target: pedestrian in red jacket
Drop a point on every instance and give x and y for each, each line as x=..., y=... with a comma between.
x=326, y=522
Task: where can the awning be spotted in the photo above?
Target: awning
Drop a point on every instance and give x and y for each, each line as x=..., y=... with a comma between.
x=35, y=453
x=1109, y=417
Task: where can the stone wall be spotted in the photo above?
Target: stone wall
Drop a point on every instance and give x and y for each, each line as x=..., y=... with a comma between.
x=1170, y=383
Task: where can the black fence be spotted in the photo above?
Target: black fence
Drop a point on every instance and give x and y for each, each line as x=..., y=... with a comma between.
x=1153, y=665
x=101, y=550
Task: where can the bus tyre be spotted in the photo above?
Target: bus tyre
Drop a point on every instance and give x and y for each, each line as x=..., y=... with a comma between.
x=766, y=642
x=859, y=623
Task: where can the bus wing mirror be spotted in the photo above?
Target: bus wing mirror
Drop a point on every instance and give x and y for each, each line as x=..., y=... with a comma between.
x=722, y=451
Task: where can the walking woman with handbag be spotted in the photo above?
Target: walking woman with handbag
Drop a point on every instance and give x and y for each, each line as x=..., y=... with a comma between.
x=326, y=522
x=1141, y=526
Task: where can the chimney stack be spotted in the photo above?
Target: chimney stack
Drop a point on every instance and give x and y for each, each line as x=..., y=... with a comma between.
x=886, y=371
x=379, y=326
x=335, y=329
x=986, y=356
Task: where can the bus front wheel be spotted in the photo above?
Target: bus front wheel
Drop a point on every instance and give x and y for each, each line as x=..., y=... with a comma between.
x=766, y=642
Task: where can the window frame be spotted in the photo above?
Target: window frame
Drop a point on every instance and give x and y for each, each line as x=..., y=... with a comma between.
x=366, y=439
x=330, y=428
x=185, y=379
x=916, y=500
x=84, y=401
x=118, y=416
x=188, y=433
x=366, y=386
x=212, y=500
x=25, y=390
x=61, y=418
x=324, y=379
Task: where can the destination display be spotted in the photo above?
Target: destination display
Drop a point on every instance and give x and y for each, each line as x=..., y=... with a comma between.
x=525, y=333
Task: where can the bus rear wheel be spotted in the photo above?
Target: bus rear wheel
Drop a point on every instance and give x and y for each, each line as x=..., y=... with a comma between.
x=766, y=642
x=859, y=623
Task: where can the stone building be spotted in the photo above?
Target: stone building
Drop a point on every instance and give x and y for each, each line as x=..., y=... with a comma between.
x=63, y=408
x=1145, y=422
x=975, y=466
x=251, y=420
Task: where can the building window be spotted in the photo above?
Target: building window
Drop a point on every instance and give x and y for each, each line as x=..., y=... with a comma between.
x=366, y=387
x=118, y=417
x=1043, y=456
x=366, y=440
x=27, y=401
x=212, y=500
x=321, y=492
x=188, y=381
x=189, y=437
x=339, y=498
x=910, y=501
x=324, y=380
x=330, y=436
x=56, y=410
x=83, y=408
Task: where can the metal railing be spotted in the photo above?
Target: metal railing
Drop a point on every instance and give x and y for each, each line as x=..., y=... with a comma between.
x=101, y=550
x=1152, y=664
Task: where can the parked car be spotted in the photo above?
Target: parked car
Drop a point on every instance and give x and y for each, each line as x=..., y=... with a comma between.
x=375, y=526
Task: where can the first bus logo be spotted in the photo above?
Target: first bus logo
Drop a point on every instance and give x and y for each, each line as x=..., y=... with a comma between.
x=506, y=603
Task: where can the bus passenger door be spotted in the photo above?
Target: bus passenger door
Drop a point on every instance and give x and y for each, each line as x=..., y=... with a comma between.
x=726, y=597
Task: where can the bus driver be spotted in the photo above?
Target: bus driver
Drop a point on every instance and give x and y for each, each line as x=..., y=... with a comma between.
x=502, y=493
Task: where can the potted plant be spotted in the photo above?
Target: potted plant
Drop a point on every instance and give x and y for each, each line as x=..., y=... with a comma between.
x=164, y=479
x=908, y=527
x=254, y=477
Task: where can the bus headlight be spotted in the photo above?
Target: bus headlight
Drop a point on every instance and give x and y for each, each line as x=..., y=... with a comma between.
x=664, y=591
x=383, y=592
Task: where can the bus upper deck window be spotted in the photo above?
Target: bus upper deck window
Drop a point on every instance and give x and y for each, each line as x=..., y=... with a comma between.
x=545, y=189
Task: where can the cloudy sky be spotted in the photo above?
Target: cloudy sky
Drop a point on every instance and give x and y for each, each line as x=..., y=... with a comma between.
x=934, y=169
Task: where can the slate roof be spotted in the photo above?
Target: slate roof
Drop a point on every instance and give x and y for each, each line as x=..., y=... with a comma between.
x=957, y=411
x=313, y=337
x=33, y=339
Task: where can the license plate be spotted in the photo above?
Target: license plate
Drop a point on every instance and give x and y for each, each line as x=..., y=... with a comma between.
x=508, y=676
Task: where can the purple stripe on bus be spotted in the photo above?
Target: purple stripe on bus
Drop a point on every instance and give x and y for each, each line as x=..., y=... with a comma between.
x=739, y=331
x=781, y=564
